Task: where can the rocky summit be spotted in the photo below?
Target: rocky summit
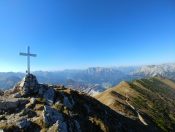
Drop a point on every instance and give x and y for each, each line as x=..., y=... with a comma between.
x=35, y=107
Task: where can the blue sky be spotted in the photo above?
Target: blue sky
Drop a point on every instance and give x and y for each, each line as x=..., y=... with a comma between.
x=73, y=34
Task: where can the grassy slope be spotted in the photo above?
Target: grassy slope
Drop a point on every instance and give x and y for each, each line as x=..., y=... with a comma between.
x=154, y=98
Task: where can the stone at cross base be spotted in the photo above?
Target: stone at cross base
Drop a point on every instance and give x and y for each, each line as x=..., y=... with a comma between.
x=29, y=85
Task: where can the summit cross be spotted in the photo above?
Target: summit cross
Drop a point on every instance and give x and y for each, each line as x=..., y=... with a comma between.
x=28, y=54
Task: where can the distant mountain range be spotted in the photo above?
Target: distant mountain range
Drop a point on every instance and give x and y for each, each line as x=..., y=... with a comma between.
x=165, y=70
x=96, y=78
x=145, y=104
x=9, y=79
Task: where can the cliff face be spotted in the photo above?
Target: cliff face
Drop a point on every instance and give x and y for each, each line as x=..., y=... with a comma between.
x=31, y=106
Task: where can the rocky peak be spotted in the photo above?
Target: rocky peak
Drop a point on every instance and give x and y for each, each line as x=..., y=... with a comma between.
x=29, y=85
x=31, y=106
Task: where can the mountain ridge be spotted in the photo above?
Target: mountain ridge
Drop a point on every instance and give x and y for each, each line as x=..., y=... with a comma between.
x=41, y=107
x=149, y=99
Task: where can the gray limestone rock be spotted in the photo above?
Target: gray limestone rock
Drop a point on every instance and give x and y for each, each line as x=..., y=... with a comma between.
x=17, y=95
x=12, y=104
x=1, y=93
x=29, y=85
x=24, y=123
x=68, y=102
x=51, y=116
x=49, y=95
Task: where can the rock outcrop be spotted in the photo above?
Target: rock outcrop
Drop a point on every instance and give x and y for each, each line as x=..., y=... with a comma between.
x=49, y=95
x=1, y=93
x=31, y=106
x=29, y=85
x=24, y=123
x=10, y=104
x=51, y=116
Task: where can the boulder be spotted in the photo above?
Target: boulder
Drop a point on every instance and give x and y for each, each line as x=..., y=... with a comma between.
x=62, y=127
x=1, y=93
x=29, y=85
x=24, y=123
x=41, y=90
x=17, y=95
x=12, y=104
x=28, y=112
x=51, y=116
x=69, y=103
x=49, y=95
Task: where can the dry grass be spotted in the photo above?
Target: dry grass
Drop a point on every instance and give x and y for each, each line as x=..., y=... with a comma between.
x=153, y=97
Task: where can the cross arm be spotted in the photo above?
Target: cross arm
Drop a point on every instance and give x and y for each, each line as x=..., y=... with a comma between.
x=26, y=54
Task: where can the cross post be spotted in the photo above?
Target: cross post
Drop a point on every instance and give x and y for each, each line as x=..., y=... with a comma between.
x=28, y=54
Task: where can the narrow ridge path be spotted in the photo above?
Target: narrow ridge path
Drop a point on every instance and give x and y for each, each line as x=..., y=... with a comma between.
x=138, y=114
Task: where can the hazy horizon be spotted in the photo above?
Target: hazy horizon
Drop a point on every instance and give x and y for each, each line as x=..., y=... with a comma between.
x=81, y=34
x=59, y=70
